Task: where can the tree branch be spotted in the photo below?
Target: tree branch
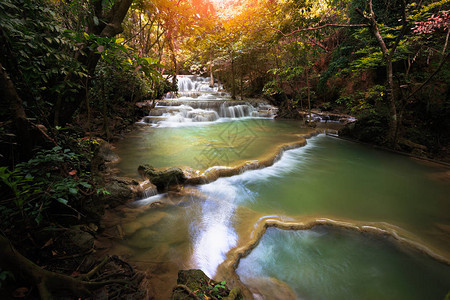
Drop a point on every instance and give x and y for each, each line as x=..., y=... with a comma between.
x=318, y=28
x=117, y=14
x=373, y=25
x=403, y=30
x=443, y=61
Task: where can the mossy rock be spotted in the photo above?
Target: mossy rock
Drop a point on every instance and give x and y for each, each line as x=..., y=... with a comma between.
x=162, y=179
x=196, y=282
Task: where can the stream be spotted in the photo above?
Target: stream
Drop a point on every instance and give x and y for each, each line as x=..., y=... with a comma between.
x=336, y=184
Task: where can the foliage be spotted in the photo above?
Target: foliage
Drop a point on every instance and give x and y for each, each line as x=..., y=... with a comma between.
x=38, y=53
x=216, y=289
x=123, y=76
x=363, y=102
x=23, y=188
x=370, y=128
x=212, y=291
x=52, y=178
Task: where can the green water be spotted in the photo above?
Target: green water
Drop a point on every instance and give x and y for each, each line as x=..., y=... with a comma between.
x=336, y=178
x=327, y=178
x=327, y=263
x=201, y=146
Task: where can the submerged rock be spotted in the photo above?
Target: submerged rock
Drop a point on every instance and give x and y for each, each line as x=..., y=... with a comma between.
x=162, y=179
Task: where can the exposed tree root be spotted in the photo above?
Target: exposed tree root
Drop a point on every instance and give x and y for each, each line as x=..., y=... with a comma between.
x=188, y=290
x=50, y=283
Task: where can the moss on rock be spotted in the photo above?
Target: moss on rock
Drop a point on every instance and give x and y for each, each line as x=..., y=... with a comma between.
x=162, y=179
x=194, y=284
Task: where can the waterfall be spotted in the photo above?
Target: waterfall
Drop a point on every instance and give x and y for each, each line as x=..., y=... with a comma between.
x=197, y=102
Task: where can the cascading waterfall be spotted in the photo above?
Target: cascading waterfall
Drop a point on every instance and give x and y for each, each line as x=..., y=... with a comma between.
x=198, y=102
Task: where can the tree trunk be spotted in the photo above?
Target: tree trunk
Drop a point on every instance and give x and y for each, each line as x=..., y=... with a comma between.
x=211, y=82
x=309, y=94
x=8, y=92
x=233, y=83
x=241, y=83
x=109, y=26
x=373, y=25
x=392, y=132
x=105, y=111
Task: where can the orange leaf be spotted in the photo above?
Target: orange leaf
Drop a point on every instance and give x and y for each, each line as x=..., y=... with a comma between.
x=49, y=242
x=20, y=292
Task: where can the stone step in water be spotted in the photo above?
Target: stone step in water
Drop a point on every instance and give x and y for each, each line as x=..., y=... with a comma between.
x=197, y=101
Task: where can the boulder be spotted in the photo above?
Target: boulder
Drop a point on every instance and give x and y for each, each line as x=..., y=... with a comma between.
x=74, y=241
x=105, y=152
x=120, y=193
x=163, y=179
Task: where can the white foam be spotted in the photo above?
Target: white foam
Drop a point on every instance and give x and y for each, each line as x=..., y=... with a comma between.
x=195, y=89
x=215, y=236
x=148, y=200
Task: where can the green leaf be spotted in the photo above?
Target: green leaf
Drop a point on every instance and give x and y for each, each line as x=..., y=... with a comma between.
x=39, y=219
x=85, y=184
x=63, y=201
x=73, y=191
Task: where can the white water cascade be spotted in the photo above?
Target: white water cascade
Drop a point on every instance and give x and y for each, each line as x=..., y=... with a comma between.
x=198, y=102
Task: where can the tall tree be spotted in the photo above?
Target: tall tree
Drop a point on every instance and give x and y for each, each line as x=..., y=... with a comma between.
x=105, y=21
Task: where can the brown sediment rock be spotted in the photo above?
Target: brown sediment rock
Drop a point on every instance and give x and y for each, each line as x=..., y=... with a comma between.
x=227, y=270
x=172, y=179
x=148, y=188
x=123, y=190
x=119, y=193
x=163, y=179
